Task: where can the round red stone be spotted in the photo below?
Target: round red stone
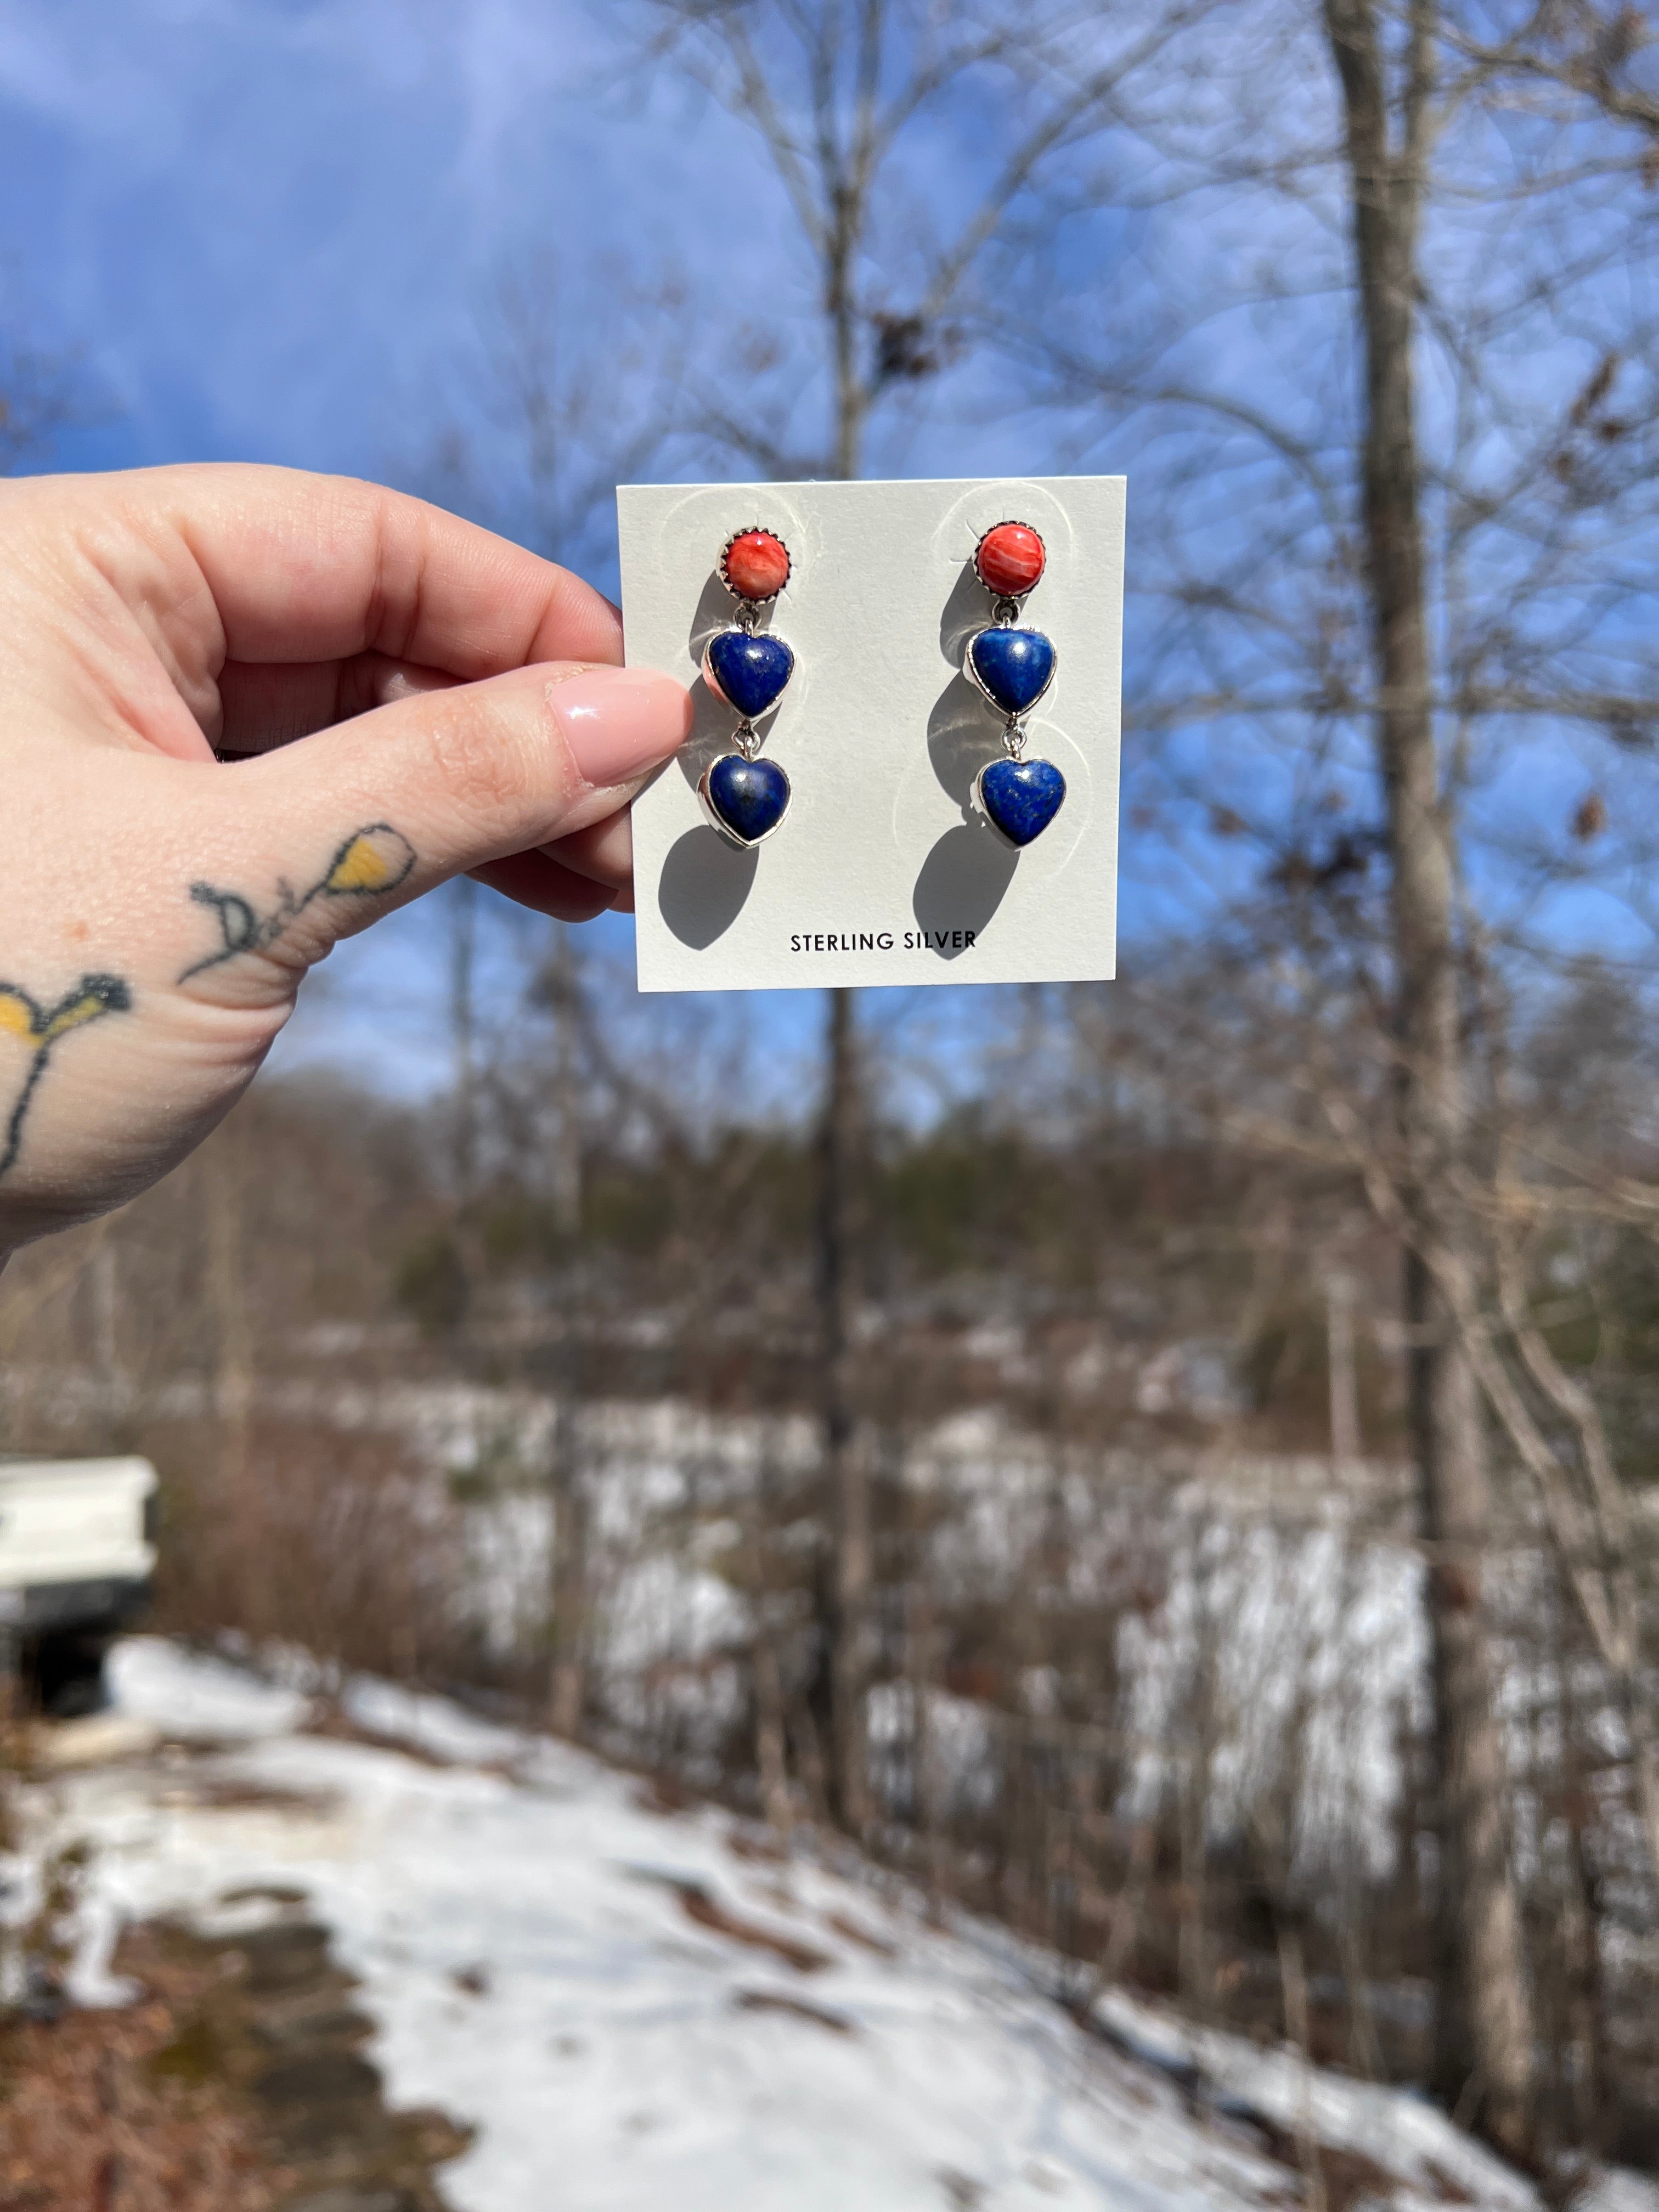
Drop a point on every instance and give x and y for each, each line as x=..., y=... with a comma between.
x=756, y=565
x=1010, y=559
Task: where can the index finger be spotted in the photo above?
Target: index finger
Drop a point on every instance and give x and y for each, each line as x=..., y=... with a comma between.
x=304, y=567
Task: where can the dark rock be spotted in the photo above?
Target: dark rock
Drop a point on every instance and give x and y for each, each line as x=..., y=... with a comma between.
x=310, y=2020
x=320, y=2077
x=283, y=1955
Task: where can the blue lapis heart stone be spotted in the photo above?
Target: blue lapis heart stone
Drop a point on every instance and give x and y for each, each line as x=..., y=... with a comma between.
x=1012, y=667
x=748, y=670
x=746, y=797
x=1022, y=797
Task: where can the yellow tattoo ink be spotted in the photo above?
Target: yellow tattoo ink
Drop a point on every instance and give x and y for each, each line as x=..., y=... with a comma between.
x=22, y=1015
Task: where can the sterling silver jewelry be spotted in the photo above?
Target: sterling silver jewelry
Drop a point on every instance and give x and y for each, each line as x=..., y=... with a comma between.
x=745, y=797
x=1012, y=666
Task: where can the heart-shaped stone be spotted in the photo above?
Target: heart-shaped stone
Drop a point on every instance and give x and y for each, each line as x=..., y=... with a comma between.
x=745, y=799
x=1022, y=797
x=748, y=669
x=1012, y=667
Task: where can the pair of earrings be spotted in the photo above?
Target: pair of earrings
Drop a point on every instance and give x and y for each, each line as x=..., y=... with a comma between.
x=746, y=797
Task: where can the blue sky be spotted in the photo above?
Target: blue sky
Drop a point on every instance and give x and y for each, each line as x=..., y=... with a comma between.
x=277, y=229
x=270, y=230
x=272, y=225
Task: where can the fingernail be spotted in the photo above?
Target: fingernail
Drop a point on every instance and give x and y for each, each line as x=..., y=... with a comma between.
x=620, y=721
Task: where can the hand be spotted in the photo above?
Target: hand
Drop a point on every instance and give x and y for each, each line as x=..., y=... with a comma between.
x=245, y=713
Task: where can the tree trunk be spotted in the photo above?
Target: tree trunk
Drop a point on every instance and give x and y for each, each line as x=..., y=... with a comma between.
x=1339, y=1364
x=1586, y=2038
x=844, y=1457
x=223, y=1165
x=562, y=982
x=1293, y=1981
x=464, y=1035
x=765, y=1665
x=567, y=1688
x=845, y=1460
x=921, y=1667
x=1483, y=2056
x=570, y=1603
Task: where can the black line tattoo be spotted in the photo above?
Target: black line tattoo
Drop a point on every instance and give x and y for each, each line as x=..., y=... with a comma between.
x=371, y=862
x=22, y=1015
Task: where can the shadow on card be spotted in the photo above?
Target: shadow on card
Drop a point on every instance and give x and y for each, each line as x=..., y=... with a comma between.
x=965, y=877
x=702, y=887
x=962, y=736
x=967, y=611
x=962, y=883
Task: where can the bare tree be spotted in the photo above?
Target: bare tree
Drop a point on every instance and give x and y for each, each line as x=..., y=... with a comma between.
x=1485, y=2026
x=560, y=989
x=846, y=1451
x=566, y=387
x=845, y=101
x=543, y=428
x=1396, y=565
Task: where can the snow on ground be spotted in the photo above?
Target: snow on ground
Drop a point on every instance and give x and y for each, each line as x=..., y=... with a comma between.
x=563, y=1968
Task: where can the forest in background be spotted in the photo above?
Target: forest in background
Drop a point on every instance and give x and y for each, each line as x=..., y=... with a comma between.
x=997, y=1434
x=519, y=1393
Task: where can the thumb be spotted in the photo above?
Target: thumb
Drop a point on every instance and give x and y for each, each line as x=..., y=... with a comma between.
x=365, y=816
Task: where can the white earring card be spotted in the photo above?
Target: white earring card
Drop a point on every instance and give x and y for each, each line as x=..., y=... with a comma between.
x=884, y=869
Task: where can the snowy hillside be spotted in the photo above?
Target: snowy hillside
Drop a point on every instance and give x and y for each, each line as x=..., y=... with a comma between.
x=634, y=2008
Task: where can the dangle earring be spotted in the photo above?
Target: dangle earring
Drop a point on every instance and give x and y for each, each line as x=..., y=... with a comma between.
x=746, y=797
x=1012, y=667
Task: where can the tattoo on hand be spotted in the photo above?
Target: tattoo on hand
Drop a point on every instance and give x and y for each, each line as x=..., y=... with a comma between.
x=371, y=863
x=22, y=1015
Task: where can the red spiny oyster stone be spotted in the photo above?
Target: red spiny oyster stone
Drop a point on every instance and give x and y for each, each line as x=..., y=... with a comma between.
x=756, y=565
x=1010, y=559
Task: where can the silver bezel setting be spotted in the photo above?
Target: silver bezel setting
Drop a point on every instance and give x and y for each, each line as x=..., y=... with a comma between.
x=985, y=814
x=995, y=827
x=772, y=598
x=973, y=676
x=1019, y=523
x=736, y=630
x=717, y=822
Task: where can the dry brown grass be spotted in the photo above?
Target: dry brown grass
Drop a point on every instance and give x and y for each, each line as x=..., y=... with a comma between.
x=93, y=2119
x=708, y=1912
x=236, y=2085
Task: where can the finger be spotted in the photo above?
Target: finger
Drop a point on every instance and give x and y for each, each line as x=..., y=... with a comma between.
x=359, y=818
x=178, y=572
x=305, y=568
x=264, y=704
x=603, y=852
x=593, y=866
x=531, y=880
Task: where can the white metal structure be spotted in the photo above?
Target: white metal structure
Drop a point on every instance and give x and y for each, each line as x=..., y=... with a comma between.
x=74, y=1548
